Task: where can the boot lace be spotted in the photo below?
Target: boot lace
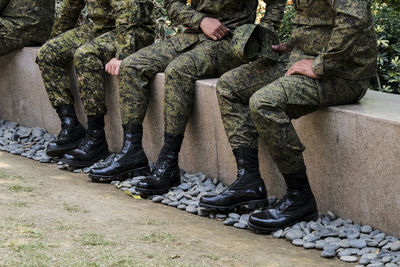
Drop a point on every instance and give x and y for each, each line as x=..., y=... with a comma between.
x=284, y=203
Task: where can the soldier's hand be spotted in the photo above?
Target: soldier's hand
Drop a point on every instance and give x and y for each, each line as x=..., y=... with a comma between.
x=303, y=67
x=282, y=48
x=213, y=28
x=112, y=67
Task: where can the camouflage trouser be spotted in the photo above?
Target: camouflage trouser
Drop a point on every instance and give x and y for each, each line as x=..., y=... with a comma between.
x=89, y=51
x=9, y=41
x=257, y=98
x=184, y=58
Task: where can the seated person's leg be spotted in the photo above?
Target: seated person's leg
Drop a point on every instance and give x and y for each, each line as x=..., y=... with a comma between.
x=135, y=74
x=234, y=89
x=53, y=59
x=201, y=62
x=89, y=61
x=272, y=109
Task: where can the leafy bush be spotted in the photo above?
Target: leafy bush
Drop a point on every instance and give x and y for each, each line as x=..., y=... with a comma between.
x=387, y=24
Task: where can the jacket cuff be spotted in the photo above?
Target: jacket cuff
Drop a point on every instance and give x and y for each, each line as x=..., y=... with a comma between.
x=318, y=66
x=197, y=18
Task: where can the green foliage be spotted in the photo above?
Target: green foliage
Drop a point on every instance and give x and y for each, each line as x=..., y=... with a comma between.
x=387, y=25
x=286, y=24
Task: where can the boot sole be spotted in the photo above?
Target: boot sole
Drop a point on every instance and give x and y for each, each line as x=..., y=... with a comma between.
x=119, y=177
x=84, y=163
x=145, y=191
x=268, y=230
x=60, y=152
x=253, y=204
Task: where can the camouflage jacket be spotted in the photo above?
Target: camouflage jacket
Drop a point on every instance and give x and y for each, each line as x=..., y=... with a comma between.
x=340, y=34
x=129, y=18
x=231, y=13
x=32, y=19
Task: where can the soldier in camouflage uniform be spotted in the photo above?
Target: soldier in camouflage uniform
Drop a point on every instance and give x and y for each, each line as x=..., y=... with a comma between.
x=330, y=61
x=117, y=28
x=24, y=23
x=203, y=51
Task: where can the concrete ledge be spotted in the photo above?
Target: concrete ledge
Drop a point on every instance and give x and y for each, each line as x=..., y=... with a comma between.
x=352, y=154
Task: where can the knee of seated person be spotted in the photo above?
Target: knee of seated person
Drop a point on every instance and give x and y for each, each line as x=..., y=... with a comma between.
x=128, y=66
x=46, y=54
x=175, y=70
x=82, y=54
x=263, y=100
x=225, y=86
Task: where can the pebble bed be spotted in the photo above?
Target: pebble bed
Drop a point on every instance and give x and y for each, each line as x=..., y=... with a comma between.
x=334, y=236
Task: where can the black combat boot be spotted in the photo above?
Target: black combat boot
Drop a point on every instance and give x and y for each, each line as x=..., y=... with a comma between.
x=71, y=134
x=166, y=173
x=93, y=146
x=297, y=205
x=248, y=189
x=130, y=162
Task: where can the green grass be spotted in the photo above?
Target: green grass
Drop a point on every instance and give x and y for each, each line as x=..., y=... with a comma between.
x=20, y=204
x=20, y=188
x=159, y=237
x=94, y=239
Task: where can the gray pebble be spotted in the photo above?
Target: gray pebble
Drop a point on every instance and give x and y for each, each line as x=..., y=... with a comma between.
x=358, y=243
x=182, y=207
x=166, y=201
x=211, y=215
x=298, y=242
x=294, y=234
x=349, y=258
x=234, y=216
x=345, y=252
x=184, y=186
x=157, y=199
x=391, y=265
x=328, y=253
x=202, y=211
x=174, y=204
x=309, y=245
x=380, y=264
x=191, y=209
x=366, y=229
x=383, y=243
x=230, y=221
x=387, y=259
x=277, y=234
x=372, y=243
x=395, y=246
x=345, y=243
x=77, y=171
x=126, y=184
x=240, y=225
x=331, y=215
x=244, y=218
x=320, y=244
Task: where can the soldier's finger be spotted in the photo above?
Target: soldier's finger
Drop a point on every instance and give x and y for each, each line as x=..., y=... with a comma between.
x=117, y=70
x=106, y=68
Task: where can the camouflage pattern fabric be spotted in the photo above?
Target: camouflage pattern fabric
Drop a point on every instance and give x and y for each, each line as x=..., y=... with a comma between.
x=231, y=13
x=91, y=46
x=185, y=58
x=257, y=99
x=24, y=23
x=346, y=44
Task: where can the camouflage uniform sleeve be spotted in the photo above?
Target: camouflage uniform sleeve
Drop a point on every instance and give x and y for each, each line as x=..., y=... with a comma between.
x=129, y=17
x=351, y=18
x=181, y=13
x=68, y=16
x=273, y=15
